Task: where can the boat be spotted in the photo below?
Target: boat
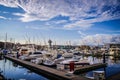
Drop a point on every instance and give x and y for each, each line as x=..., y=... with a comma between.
x=42, y=57
x=77, y=61
x=52, y=59
x=68, y=55
x=49, y=62
x=26, y=51
x=31, y=56
x=38, y=60
x=75, y=58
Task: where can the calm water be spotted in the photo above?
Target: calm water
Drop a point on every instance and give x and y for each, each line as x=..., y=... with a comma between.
x=112, y=68
x=12, y=71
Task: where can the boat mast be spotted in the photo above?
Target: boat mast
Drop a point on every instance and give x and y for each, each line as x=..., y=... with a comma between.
x=5, y=43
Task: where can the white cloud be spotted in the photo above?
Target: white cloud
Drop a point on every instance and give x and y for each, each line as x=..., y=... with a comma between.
x=1, y=17
x=86, y=23
x=36, y=27
x=82, y=24
x=48, y=23
x=4, y=12
x=82, y=13
x=82, y=34
x=99, y=39
x=26, y=17
x=8, y=3
x=60, y=21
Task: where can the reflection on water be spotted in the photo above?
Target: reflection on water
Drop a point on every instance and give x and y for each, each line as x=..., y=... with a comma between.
x=12, y=71
x=112, y=68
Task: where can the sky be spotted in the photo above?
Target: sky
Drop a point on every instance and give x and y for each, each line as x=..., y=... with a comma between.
x=76, y=22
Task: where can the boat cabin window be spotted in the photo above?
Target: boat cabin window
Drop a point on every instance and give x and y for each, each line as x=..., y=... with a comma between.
x=37, y=53
x=24, y=50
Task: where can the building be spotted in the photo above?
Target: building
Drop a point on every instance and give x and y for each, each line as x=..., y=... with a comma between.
x=114, y=48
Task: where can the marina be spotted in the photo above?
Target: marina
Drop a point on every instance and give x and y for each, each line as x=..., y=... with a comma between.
x=67, y=65
x=62, y=64
x=80, y=69
x=52, y=73
x=59, y=40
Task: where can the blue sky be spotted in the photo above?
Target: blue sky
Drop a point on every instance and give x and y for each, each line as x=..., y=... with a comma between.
x=78, y=21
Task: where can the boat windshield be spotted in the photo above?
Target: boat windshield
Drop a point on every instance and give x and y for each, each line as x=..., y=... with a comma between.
x=24, y=50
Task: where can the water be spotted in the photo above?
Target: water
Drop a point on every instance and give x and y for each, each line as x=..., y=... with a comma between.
x=16, y=72
x=12, y=71
x=112, y=68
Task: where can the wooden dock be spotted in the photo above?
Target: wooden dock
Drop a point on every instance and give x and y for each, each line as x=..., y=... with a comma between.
x=89, y=68
x=48, y=72
x=2, y=77
x=114, y=77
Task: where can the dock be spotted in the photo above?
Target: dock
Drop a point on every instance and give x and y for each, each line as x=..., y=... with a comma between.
x=89, y=68
x=2, y=77
x=50, y=73
x=114, y=77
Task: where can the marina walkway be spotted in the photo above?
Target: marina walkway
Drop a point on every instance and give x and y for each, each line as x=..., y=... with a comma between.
x=48, y=72
x=89, y=68
x=114, y=77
